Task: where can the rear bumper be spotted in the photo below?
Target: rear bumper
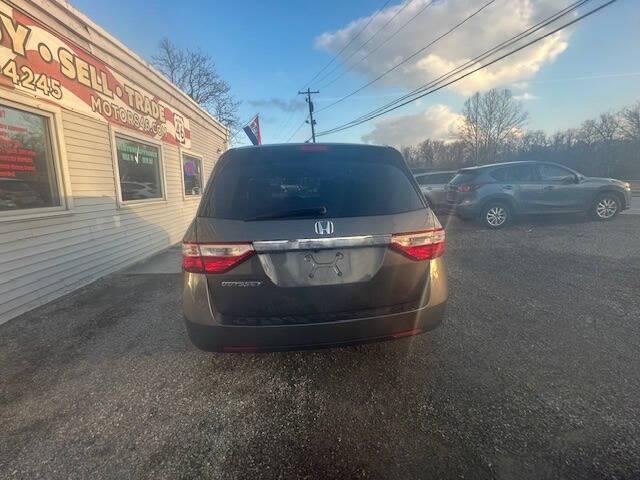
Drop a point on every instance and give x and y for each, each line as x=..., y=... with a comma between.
x=249, y=339
x=207, y=333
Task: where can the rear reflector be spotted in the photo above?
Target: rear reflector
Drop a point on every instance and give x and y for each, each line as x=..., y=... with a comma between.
x=424, y=245
x=214, y=257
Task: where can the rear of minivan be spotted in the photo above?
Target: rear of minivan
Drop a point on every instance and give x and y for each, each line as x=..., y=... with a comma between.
x=298, y=246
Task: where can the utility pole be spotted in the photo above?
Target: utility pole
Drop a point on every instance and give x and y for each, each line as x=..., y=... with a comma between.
x=311, y=121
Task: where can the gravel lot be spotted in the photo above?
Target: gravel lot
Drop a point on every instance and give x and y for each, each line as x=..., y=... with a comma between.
x=535, y=374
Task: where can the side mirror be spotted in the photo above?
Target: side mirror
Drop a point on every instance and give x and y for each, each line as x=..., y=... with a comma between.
x=570, y=179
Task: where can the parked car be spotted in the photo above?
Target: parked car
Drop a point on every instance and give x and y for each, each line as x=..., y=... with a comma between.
x=298, y=246
x=496, y=193
x=432, y=185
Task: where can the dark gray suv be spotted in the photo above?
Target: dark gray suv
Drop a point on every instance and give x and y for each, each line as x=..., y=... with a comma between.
x=496, y=193
x=298, y=246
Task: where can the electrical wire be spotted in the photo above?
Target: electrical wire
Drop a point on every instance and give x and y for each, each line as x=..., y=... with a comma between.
x=296, y=130
x=380, y=45
x=435, y=89
x=344, y=61
x=540, y=25
x=288, y=120
x=420, y=50
x=335, y=57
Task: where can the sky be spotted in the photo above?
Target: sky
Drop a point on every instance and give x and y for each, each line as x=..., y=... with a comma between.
x=268, y=50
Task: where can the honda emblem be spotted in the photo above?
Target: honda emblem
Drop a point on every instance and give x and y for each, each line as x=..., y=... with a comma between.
x=324, y=227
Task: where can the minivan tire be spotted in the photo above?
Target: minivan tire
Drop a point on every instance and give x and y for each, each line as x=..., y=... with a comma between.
x=496, y=214
x=606, y=206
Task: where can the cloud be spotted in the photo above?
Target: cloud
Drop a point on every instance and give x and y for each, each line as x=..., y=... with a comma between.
x=438, y=122
x=495, y=24
x=288, y=106
x=526, y=96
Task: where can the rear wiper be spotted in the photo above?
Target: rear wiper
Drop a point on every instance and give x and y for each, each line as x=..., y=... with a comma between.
x=300, y=212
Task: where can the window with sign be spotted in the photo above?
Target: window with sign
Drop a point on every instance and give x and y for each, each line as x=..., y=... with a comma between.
x=192, y=174
x=27, y=174
x=140, y=170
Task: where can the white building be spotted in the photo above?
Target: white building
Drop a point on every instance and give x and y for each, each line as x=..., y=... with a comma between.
x=102, y=160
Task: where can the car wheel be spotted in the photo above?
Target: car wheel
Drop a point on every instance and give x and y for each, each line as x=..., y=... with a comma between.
x=496, y=215
x=606, y=206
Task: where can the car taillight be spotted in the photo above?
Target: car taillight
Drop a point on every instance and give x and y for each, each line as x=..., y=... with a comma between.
x=424, y=245
x=214, y=257
x=469, y=187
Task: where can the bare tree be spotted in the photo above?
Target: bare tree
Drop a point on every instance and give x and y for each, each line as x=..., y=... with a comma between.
x=607, y=127
x=194, y=72
x=630, y=122
x=471, y=128
x=409, y=154
x=492, y=121
x=588, y=133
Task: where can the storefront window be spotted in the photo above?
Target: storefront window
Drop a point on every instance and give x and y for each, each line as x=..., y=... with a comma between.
x=192, y=173
x=27, y=174
x=139, y=165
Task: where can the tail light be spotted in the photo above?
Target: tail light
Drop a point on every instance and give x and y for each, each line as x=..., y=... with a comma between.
x=469, y=187
x=424, y=245
x=214, y=257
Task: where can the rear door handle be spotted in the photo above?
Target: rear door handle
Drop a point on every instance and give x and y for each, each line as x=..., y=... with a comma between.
x=549, y=187
x=507, y=187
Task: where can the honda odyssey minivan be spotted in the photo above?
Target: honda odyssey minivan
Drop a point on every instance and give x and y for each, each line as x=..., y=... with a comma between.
x=309, y=245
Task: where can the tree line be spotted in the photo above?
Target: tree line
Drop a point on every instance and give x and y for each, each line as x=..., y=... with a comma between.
x=493, y=130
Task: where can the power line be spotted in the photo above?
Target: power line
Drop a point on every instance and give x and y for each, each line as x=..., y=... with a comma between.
x=335, y=57
x=287, y=124
x=433, y=90
x=297, y=130
x=328, y=74
x=511, y=41
x=448, y=32
x=380, y=45
x=516, y=38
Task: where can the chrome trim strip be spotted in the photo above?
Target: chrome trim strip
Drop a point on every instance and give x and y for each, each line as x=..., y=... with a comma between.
x=321, y=243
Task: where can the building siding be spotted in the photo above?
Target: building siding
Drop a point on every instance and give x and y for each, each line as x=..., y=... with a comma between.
x=41, y=259
x=44, y=258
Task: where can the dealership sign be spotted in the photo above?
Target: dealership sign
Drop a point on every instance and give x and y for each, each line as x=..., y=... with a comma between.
x=37, y=61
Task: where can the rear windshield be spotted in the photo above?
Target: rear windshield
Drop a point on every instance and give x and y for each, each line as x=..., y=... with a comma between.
x=464, y=176
x=351, y=183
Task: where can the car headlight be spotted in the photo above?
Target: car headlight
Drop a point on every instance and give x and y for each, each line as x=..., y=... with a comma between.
x=626, y=185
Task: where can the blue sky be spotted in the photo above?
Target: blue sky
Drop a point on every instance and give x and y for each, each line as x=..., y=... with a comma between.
x=268, y=50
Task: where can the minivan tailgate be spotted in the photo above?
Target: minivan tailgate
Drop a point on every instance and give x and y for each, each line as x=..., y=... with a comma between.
x=297, y=272
x=325, y=261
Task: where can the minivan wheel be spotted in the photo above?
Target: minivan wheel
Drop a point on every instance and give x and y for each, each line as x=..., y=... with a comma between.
x=605, y=207
x=496, y=215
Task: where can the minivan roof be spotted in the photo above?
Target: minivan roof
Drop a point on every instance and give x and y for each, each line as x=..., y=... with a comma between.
x=311, y=145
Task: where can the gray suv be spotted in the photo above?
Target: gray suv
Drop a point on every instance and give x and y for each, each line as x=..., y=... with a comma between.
x=298, y=246
x=496, y=193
